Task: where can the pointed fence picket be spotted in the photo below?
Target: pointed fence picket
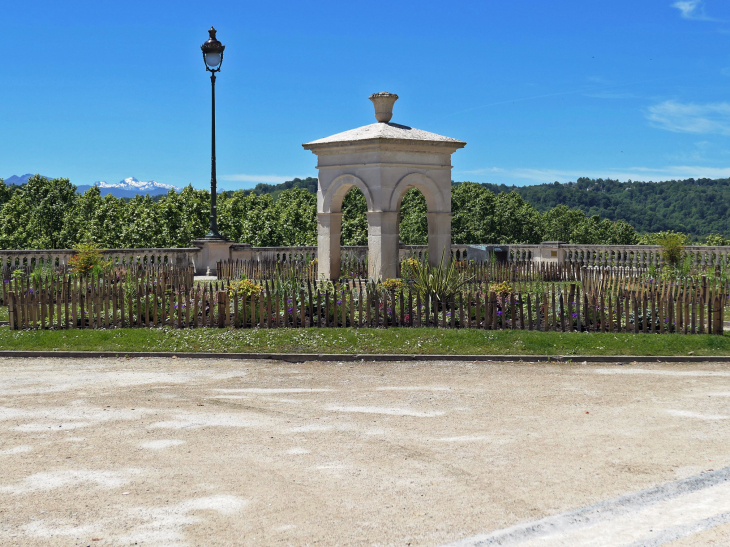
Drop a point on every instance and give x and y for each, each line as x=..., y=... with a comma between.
x=152, y=299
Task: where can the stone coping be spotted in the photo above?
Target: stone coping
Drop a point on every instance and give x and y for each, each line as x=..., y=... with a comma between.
x=352, y=357
x=103, y=251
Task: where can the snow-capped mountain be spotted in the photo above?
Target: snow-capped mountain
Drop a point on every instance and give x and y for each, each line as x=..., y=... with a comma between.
x=127, y=188
x=137, y=186
x=130, y=187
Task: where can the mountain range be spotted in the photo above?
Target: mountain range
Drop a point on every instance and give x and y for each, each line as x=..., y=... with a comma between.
x=17, y=180
x=130, y=187
x=127, y=188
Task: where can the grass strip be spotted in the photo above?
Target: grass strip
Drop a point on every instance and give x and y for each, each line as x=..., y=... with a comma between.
x=397, y=341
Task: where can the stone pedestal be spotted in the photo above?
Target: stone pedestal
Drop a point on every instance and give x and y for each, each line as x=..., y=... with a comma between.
x=382, y=245
x=551, y=251
x=212, y=251
x=329, y=226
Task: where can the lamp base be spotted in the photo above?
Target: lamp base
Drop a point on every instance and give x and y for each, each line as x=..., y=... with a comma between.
x=214, y=236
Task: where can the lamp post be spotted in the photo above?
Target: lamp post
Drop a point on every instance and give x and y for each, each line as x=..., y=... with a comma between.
x=213, y=57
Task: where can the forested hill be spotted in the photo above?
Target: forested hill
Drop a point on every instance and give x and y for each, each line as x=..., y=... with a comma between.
x=309, y=184
x=694, y=206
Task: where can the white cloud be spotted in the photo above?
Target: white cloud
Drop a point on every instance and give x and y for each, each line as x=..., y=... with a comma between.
x=669, y=173
x=270, y=179
x=691, y=9
x=610, y=95
x=521, y=176
x=601, y=80
x=525, y=174
x=691, y=117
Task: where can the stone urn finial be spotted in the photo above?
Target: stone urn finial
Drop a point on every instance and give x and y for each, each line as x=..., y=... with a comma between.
x=383, y=102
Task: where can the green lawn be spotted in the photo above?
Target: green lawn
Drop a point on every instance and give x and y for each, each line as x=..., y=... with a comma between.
x=404, y=341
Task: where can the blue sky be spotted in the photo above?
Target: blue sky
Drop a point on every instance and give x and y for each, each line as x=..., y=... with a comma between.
x=540, y=91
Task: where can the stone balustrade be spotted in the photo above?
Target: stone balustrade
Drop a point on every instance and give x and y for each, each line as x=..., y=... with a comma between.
x=13, y=259
x=633, y=256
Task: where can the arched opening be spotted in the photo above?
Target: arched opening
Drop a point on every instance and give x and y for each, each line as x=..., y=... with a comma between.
x=412, y=218
x=338, y=188
x=423, y=217
x=354, y=230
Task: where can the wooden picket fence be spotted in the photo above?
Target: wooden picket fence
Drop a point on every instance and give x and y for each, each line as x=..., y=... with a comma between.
x=71, y=301
x=172, y=275
x=352, y=267
x=302, y=270
x=115, y=302
x=522, y=271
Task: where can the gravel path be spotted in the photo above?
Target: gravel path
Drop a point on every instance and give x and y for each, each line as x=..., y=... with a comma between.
x=205, y=452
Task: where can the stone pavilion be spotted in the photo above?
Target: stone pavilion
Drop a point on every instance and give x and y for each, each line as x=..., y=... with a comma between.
x=383, y=160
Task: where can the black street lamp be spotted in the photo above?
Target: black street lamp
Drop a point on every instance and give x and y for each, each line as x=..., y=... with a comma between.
x=213, y=57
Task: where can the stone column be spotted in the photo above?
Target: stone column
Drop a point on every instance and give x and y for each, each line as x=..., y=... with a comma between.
x=382, y=245
x=329, y=226
x=439, y=238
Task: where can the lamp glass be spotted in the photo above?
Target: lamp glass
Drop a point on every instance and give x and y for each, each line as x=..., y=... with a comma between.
x=212, y=59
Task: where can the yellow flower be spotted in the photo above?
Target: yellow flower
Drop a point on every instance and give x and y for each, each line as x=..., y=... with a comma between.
x=501, y=288
x=392, y=284
x=246, y=286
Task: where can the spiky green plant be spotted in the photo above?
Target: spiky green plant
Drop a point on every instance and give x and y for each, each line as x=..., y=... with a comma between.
x=439, y=283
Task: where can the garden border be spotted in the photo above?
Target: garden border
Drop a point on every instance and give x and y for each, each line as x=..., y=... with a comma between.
x=353, y=357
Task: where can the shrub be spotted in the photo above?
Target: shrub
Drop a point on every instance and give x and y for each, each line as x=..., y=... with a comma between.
x=656, y=238
x=407, y=268
x=88, y=260
x=392, y=284
x=245, y=286
x=673, y=249
x=501, y=288
x=717, y=240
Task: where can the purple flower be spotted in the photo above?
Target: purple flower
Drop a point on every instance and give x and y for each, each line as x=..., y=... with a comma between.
x=499, y=312
x=575, y=315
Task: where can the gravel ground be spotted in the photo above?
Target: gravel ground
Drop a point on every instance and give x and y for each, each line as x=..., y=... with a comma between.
x=206, y=452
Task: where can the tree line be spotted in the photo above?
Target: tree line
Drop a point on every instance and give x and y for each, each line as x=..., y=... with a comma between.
x=49, y=214
x=697, y=207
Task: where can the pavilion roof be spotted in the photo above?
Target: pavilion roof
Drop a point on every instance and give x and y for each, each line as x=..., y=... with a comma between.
x=385, y=132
